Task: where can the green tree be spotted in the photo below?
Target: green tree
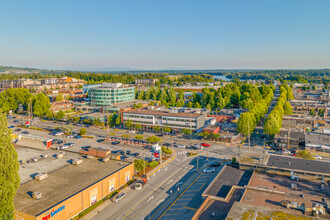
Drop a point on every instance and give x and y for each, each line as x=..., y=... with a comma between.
x=287, y=108
x=139, y=137
x=128, y=124
x=197, y=105
x=167, y=129
x=83, y=131
x=59, y=97
x=118, y=120
x=246, y=123
x=312, y=112
x=271, y=125
x=67, y=129
x=153, y=139
x=139, y=165
x=60, y=115
x=166, y=150
x=137, y=126
x=189, y=104
x=41, y=104
x=186, y=131
x=157, y=128
x=9, y=178
x=321, y=112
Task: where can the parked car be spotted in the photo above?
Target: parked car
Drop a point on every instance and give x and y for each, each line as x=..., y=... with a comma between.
x=70, y=136
x=167, y=144
x=159, y=135
x=140, y=132
x=148, y=159
x=118, y=197
x=121, y=152
x=128, y=152
x=317, y=157
x=18, y=129
x=100, y=140
x=15, y=121
x=131, y=131
x=135, y=154
x=138, y=186
x=25, y=132
x=205, y=144
x=11, y=126
x=215, y=164
x=115, y=142
x=209, y=170
x=78, y=137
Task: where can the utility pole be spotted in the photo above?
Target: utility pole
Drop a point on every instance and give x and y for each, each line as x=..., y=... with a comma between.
x=289, y=134
x=144, y=164
x=249, y=133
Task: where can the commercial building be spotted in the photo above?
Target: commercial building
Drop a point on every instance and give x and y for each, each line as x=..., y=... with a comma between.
x=146, y=81
x=158, y=116
x=248, y=194
x=64, y=105
x=39, y=85
x=317, y=141
x=111, y=93
x=71, y=189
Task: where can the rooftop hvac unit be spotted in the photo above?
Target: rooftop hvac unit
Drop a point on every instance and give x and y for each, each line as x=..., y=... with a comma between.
x=89, y=156
x=36, y=195
x=58, y=156
x=77, y=161
x=41, y=176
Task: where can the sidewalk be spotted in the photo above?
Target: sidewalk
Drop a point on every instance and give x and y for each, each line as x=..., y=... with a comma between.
x=125, y=190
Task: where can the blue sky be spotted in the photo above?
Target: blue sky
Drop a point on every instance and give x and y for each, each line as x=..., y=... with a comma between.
x=165, y=34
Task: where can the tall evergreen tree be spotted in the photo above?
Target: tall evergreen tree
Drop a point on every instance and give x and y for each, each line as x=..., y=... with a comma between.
x=9, y=178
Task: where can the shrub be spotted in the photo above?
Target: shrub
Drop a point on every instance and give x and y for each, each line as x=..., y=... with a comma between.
x=153, y=164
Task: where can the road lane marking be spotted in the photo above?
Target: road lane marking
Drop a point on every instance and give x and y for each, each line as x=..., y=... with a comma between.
x=186, y=207
x=160, y=201
x=151, y=197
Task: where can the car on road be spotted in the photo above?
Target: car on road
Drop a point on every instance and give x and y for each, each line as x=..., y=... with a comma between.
x=118, y=197
x=128, y=152
x=132, y=131
x=317, y=157
x=205, y=145
x=70, y=136
x=115, y=142
x=140, y=132
x=159, y=135
x=215, y=164
x=135, y=154
x=58, y=133
x=100, y=140
x=25, y=132
x=138, y=186
x=71, y=144
x=18, y=129
x=11, y=126
x=209, y=170
x=167, y=144
x=15, y=121
x=181, y=146
x=60, y=142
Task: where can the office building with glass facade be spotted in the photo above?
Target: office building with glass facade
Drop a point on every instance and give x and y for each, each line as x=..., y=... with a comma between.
x=111, y=93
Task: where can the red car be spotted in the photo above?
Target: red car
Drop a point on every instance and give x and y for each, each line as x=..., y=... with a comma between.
x=205, y=145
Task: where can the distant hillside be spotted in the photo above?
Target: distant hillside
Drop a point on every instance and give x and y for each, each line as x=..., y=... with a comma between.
x=21, y=70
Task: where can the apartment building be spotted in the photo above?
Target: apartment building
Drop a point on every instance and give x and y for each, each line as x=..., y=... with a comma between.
x=153, y=116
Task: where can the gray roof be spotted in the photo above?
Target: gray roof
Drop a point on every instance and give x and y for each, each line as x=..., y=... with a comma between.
x=299, y=164
x=313, y=138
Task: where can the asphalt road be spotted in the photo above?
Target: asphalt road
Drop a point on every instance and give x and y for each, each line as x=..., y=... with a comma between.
x=159, y=193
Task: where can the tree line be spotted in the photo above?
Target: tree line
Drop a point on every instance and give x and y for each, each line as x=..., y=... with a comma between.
x=273, y=122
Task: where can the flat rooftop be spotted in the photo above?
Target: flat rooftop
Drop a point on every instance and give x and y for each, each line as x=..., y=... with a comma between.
x=162, y=113
x=228, y=177
x=299, y=164
x=62, y=184
x=283, y=184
